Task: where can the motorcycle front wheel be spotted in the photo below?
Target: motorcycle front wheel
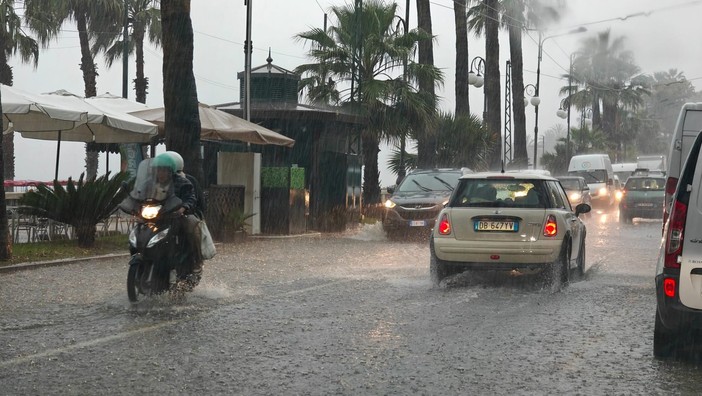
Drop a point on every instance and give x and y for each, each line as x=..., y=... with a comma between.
x=133, y=283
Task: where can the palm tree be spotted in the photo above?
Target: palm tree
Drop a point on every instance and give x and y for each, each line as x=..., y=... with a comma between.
x=462, y=62
x=463, y=141
x=87, y=15
x=145, y=21
x=518, y=16
x=382, y=97
x=15, y=41
x=604, y=75
x=179, y=90
x=485, y=17
x=426, y=139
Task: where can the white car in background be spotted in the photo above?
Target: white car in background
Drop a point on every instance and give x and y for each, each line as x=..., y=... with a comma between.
x=508, y=221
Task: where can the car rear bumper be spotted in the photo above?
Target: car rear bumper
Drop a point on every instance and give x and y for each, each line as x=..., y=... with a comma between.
x=492, y=254
x=647, y=213
x=674, y=315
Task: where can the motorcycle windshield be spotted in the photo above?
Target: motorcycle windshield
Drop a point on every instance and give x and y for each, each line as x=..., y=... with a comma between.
x=154, y=183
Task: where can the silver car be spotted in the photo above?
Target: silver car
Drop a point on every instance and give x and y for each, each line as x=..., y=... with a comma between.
x=507, y=221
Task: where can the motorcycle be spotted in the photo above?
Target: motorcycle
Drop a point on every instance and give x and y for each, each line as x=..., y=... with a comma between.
x=160, y=257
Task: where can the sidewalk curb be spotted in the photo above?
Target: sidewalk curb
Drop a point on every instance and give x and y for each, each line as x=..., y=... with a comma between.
x=72, y=260
x=55, y=263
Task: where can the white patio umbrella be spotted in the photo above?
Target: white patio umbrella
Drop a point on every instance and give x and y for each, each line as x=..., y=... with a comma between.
x=103, y=125
x=218, y=125
x=24, y=111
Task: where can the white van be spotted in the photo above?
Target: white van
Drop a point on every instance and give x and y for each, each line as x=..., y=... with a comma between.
x=624, y=170
x=679, y=268
x=652, y=162
x=687, y=128
x=599, y=176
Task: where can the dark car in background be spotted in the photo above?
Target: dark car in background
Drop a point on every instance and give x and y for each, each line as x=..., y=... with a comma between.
x=643, y=197
x=414, y=204
x=577, y=190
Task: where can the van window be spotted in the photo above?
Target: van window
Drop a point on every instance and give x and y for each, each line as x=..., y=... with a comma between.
x=592, y=176
x=693, y=121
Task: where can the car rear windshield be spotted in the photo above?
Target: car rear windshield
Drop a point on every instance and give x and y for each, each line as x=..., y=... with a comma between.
x=499, y=193
x=428, y=182
x=570, y=184
x=645, y=184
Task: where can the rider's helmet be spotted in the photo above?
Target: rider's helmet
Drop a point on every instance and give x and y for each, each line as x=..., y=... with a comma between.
x=164, y=161
x=178, y=159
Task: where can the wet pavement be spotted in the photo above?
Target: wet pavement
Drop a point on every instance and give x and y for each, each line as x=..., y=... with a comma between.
x=348, y=313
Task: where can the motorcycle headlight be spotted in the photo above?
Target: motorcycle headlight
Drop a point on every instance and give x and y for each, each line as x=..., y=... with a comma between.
x=389, y=204
x=150, y=211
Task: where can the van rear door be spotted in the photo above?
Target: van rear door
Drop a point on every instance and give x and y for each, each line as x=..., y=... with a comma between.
x=690, y=286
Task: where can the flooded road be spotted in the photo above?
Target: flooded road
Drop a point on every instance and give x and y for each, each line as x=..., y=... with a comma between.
x=350, y=313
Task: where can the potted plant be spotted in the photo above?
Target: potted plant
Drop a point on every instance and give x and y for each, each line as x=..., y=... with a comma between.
x=234, y=225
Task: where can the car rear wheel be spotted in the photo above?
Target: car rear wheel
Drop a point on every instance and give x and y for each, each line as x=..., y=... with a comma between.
x=557, y=274
x=438, y=269
x=664, y=340
x=581, y=259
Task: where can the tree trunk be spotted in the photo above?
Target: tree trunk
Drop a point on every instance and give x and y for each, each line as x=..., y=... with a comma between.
x=492, y=80
x=462, y=62
x=9, y=139
x=521, y=157
x=141, y=83
x=85, y=234
x=371, y=174
x=426, y=140
x=87, y=66
x=179, y=90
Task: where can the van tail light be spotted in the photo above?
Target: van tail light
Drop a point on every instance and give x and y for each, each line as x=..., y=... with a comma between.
x=669, y=287
x=551, y=226
x=670, y=186
x=444, y=225
x=674, y=237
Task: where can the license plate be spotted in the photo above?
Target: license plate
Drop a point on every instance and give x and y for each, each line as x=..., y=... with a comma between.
x=492, y=225
x=645, y=204
x=417, y=223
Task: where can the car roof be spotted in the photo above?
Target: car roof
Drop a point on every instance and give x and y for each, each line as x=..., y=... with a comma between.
x=437, y=170
x=507, y=176
x=570, y=178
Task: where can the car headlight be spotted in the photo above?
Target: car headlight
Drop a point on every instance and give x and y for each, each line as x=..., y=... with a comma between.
x=618, y=195
x=150, y=211
x=389, y=204
x=603, y=191
x=575, y=196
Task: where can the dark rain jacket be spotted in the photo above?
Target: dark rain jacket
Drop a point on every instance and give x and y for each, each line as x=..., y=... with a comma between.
x=186, y=192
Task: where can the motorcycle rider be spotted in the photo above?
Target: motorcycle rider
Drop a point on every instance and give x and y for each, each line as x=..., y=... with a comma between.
x=167, y=174
x=197, y=210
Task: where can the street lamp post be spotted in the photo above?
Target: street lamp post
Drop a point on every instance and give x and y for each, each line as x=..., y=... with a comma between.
x=538, y=79
x=584, y=120
x=565, y=104
x=477, y=80
x=530, y=90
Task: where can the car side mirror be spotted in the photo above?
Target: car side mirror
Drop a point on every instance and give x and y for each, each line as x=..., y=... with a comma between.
x=610, y=182
x=582, y=208
x=391, y=189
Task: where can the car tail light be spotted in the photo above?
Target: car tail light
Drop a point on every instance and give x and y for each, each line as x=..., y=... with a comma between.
x=670, y=186
x=669, y=287
x=674, y=238
x=444, y=225
x=551, y=226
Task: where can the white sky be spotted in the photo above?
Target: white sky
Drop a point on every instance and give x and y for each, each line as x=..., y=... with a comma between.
x=667, y=37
